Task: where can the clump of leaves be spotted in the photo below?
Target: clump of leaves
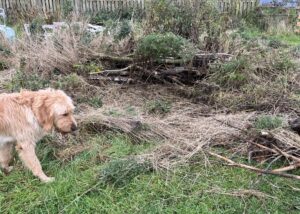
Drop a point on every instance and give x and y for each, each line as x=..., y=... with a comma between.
x=161, y=46
x=268, y=122
x=158, y=107
x=121, y=172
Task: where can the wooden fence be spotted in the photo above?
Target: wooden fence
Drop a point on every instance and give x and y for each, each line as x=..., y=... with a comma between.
x=238, y=7
x=50, y=6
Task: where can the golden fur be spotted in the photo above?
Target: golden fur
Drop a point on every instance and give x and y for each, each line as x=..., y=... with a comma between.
x=28, y=116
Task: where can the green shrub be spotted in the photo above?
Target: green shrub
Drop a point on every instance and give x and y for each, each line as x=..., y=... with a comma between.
x=268, y=122
x=67, y=8
x=123, y=31
x=162, y=46
x=121, y=172
x=69, y=82
x=189, y=20
x=22, y=80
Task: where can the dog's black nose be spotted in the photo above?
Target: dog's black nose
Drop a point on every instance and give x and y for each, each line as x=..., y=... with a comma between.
x=74, y=127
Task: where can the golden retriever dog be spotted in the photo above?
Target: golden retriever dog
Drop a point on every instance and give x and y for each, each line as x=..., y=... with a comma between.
x=25, y=118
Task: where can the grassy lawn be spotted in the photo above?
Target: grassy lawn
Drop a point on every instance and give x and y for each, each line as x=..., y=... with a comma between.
x=189, y=189
x=289, y=39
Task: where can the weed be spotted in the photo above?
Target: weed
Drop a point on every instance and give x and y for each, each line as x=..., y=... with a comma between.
x=94, y=101
x=283, y=63
x=35, y=27
x=158, y=107
x=268, y=122
x=120, y=172
x=275, y=43
x=230, y=74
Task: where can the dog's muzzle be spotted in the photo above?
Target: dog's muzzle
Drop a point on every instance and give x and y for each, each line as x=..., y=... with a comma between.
x=73, y=127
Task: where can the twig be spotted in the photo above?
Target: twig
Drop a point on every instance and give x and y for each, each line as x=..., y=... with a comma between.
x=113, y=72
x=286, y=154
x=264, y=147
x=287, y=168
x=232, y=163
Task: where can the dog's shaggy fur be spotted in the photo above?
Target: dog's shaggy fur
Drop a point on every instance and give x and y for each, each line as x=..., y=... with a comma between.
x=25, y=118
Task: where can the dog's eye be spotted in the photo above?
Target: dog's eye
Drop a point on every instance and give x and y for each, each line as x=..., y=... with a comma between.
x=65, y=114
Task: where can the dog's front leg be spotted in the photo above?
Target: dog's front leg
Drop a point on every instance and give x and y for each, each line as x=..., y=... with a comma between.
x=27, y=154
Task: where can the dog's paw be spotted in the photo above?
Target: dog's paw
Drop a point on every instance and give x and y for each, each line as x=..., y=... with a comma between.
x=48, y=179
x=7, y=170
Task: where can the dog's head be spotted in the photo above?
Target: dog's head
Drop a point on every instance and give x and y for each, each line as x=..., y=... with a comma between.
x=64, y=120
x=54, y=109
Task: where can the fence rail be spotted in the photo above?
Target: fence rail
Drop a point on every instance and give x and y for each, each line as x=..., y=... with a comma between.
x=51, y=6
x=238, y=7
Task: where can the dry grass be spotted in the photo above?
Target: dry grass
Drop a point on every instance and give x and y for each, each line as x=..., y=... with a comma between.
x=185, y=131
x=188, y=134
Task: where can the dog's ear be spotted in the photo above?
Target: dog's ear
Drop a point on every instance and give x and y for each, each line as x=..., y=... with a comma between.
x=43, y=112
x=46, y=118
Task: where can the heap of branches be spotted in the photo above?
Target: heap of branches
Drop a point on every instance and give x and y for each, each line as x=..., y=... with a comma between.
x=163, y=70
x=270, y=147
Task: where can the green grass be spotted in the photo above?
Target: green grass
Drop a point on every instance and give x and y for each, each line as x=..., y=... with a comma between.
x=290, y=39
x=190, y=189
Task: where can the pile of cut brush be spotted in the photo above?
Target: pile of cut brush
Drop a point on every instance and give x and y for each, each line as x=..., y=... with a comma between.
x=281, y=146
x=162, y=71
x=185, y=135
